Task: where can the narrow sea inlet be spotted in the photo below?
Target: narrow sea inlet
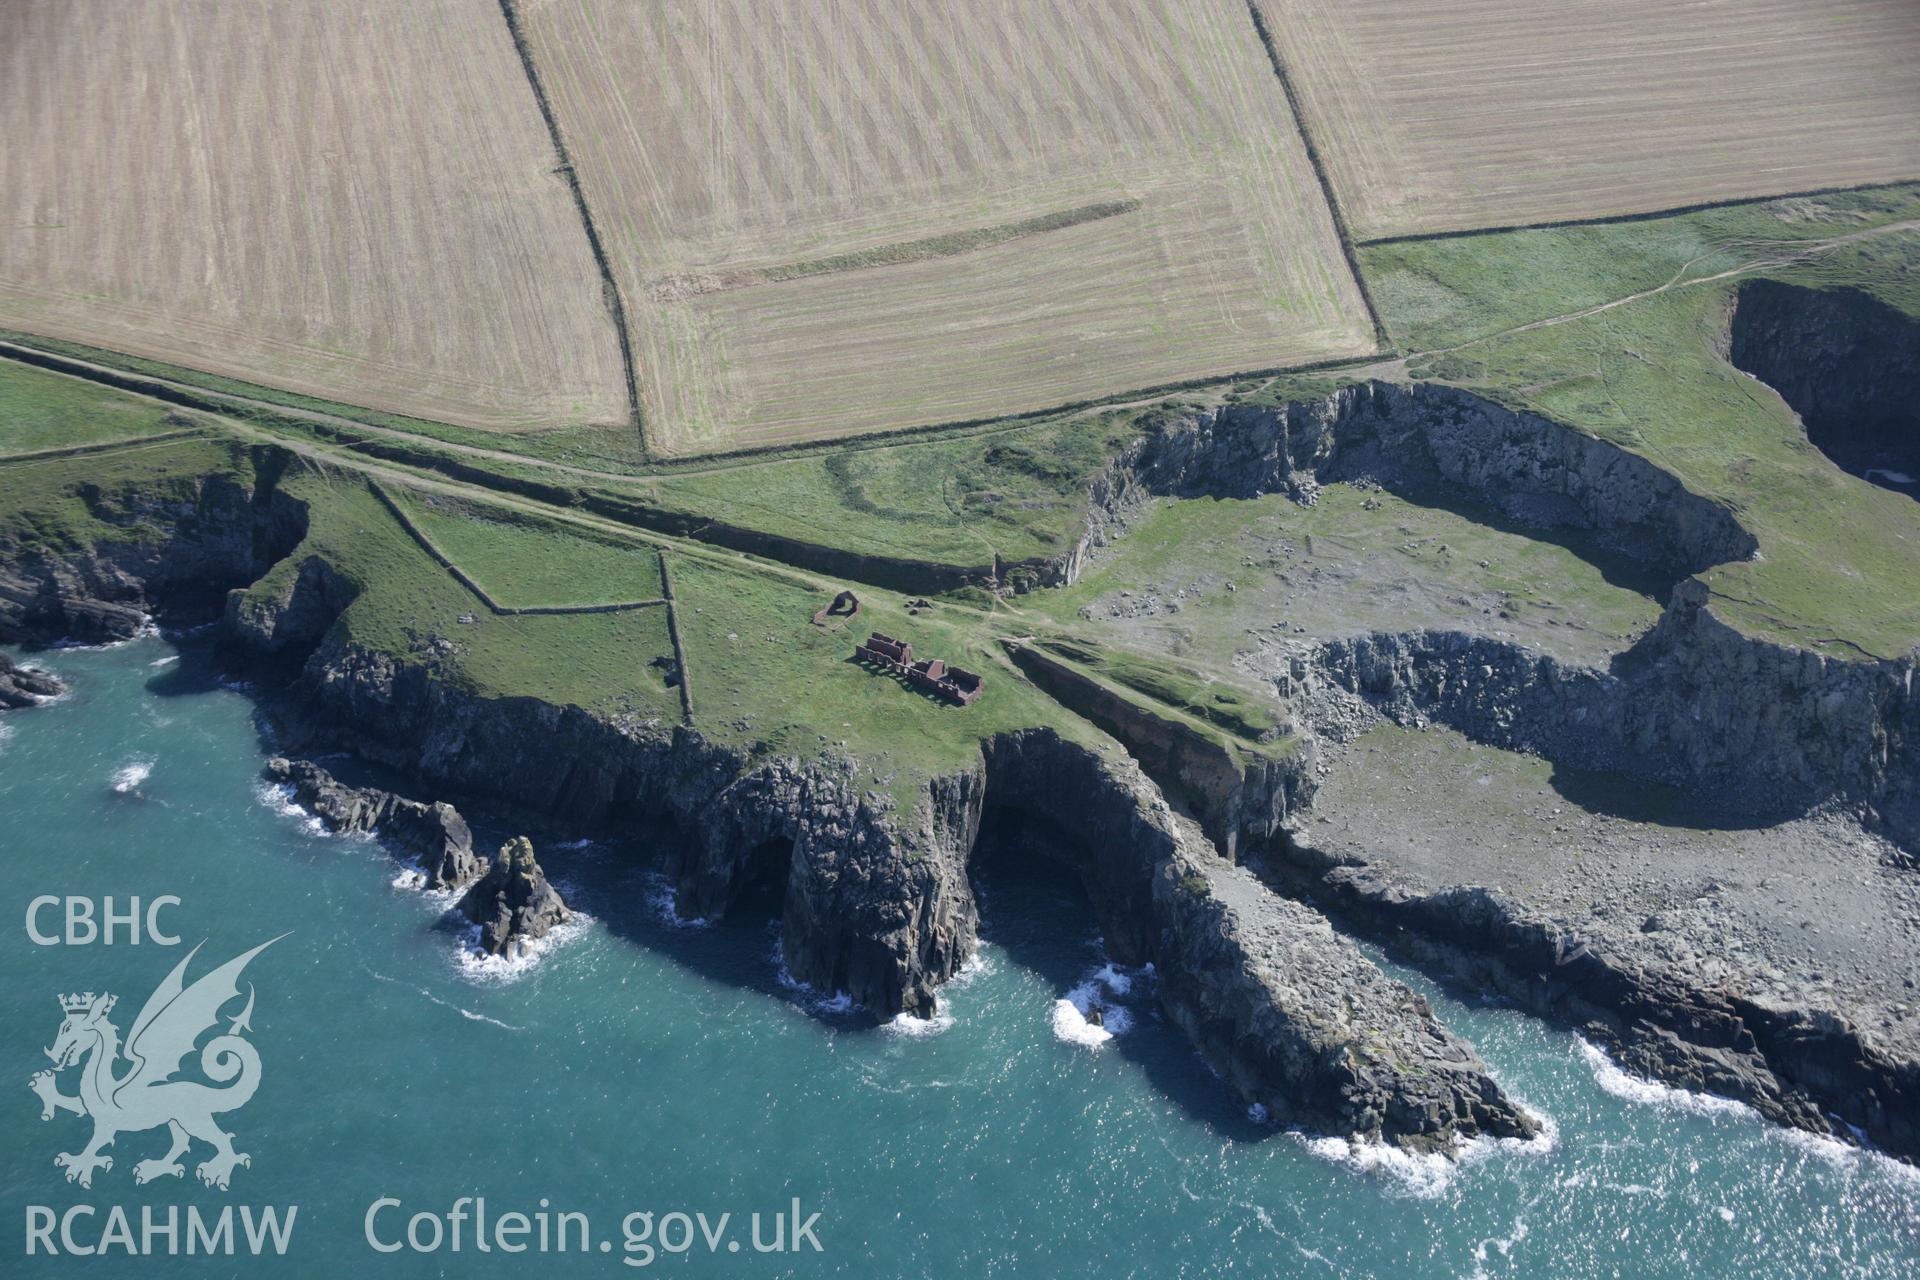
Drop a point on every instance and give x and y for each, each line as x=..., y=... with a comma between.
x=639, y=1065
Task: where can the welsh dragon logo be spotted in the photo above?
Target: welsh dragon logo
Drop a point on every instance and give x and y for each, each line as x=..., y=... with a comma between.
x=145, y=1095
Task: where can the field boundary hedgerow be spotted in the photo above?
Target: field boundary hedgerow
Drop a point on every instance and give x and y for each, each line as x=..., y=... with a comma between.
x=685, y=680
x=1340, y=227
x=1646, y=215
x=610, y=287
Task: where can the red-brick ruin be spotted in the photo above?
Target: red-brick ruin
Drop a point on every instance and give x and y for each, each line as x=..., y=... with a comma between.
x=932, y=675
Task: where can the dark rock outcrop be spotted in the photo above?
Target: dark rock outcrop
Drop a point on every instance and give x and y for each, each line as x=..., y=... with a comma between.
x=1770, y=730
x=1291, y=1014
x=513, y=903
x=433, y=834
x=1239, y=795
x=878, y=902
x=26, y=686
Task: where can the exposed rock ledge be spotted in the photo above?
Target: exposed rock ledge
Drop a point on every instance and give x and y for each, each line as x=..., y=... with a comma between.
x=435, y=833
x=1305, y=1025
x=1653, y=1010
x=26, y=686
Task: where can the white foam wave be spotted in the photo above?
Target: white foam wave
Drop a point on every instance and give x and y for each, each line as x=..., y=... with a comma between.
x=167, y=661
x=1503, y=1245
x=6, y=732
x=906, y=1024
x=128, y=777
x=1844, y=1157
x=1070, y=1026
x=279, y=798
x=477, y=965
x=663, y=902
x=146, y=631
x=1427, y=1175
x=1610, y=1077
x=464, y=1012
x=1072, y=1014
x=804, y=994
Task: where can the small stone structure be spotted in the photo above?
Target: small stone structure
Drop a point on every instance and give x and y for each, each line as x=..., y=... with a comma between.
x=932, y=675
x=845, y=605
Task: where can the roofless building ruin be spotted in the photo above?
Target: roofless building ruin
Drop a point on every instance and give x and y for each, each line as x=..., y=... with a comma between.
x=933, y=675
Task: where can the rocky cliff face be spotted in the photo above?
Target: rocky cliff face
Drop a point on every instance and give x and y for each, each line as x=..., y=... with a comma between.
x=434, y=834
x=1647, y=1006
x=1416, y=440
x=513, y=903
x=181, y=547
x=1775, y=730
x=1240, y=796
x=1771, y=730
x=1303, y=1024
x=1292, y=1015
x=1846, y=363
x=878, y=903
x=25, y=686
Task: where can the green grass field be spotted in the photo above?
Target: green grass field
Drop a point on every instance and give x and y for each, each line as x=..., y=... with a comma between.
x=1838, y=568
x=1015, y=492
x=1357, y=560
x=69, y=503
x=41, y=410
x=1439, y=293
x=526, y=563
x=764, y=674
x=609, y=447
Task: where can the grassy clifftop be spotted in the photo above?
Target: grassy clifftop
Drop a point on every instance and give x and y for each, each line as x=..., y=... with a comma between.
x=1522, y=317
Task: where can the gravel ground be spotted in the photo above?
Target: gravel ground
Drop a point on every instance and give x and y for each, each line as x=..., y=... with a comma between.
x=1815, y=912
x=1201, y=579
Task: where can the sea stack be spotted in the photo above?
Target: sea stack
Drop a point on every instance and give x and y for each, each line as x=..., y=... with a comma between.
x=513, y=903
x=26, y=686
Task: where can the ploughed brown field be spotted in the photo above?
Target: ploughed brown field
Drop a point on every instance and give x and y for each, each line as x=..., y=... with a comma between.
x=837, y=216
x=351, y=201
x=1440, y=115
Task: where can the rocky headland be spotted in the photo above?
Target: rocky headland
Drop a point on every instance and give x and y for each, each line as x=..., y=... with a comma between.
x=876, y=894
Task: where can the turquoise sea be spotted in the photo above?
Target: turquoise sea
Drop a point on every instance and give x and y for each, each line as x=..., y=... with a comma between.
x=639, y=1066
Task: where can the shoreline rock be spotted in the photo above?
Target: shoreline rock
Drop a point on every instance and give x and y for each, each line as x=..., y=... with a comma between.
x=435, y=833
x=513, y=903
x=22, y=687
x=1800, y=1066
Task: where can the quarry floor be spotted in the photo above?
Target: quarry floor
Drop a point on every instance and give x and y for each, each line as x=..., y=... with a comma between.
x=1815, y=912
